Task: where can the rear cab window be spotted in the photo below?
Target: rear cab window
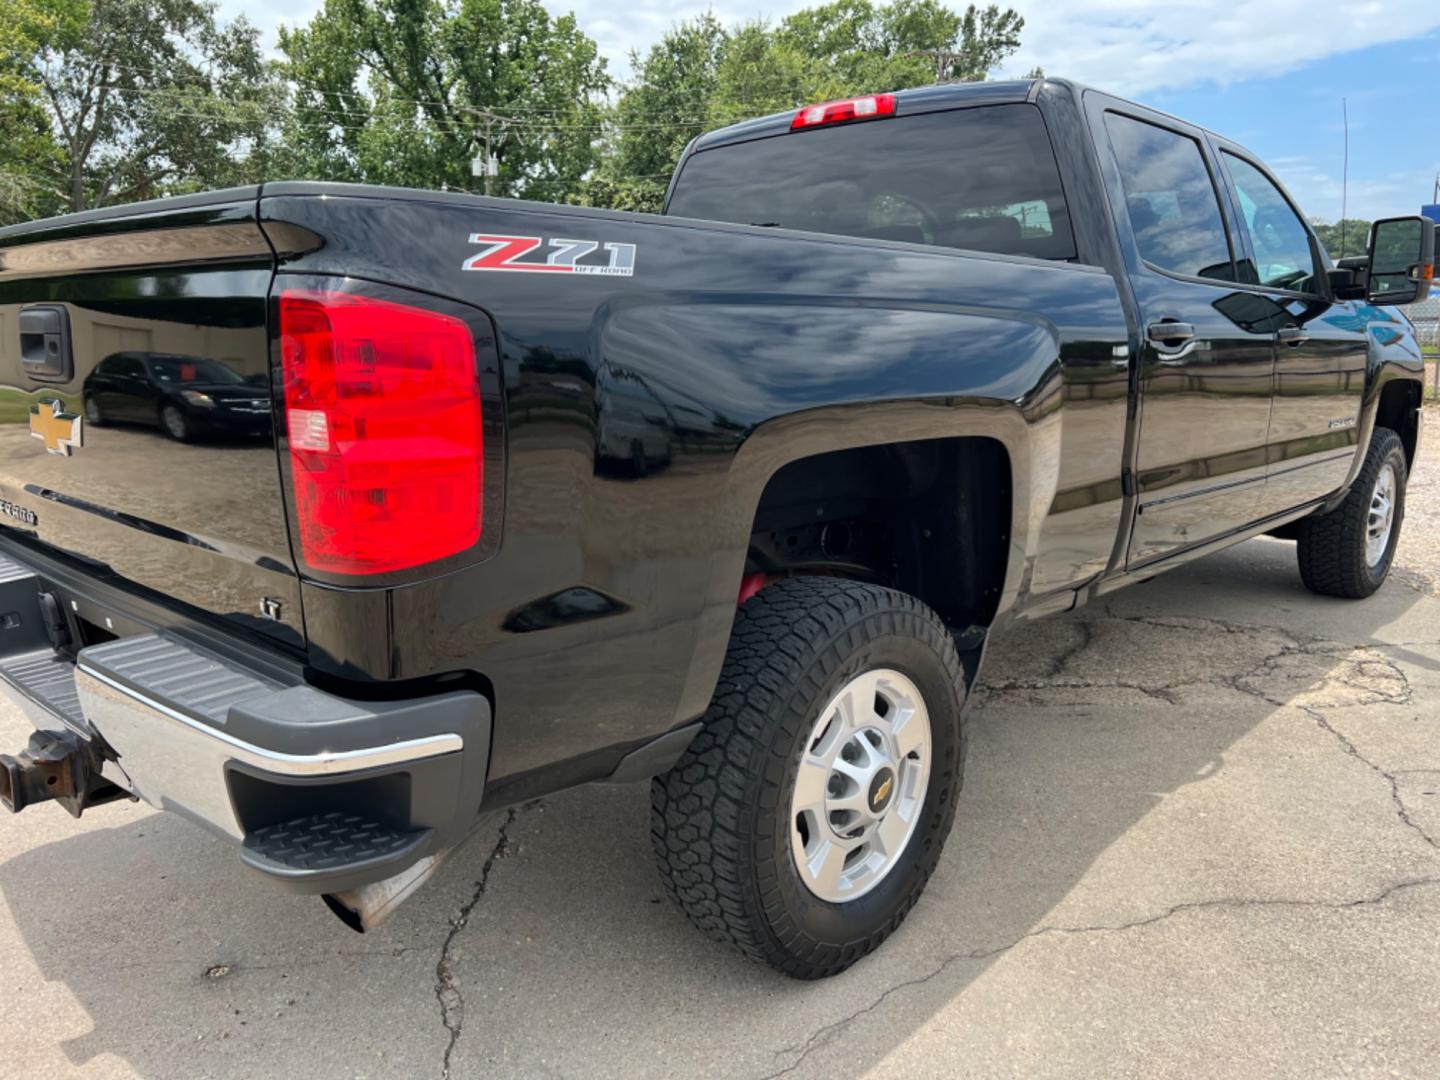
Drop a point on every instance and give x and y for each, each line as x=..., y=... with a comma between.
x=1171, y=200
x=981, y=179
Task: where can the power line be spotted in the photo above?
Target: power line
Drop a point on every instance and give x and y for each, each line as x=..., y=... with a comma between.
x=797, y=92
x=601, y=124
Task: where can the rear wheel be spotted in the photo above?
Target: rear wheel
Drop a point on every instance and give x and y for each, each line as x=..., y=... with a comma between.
x=93, y=415
x=1348, y=552
x=805, y=819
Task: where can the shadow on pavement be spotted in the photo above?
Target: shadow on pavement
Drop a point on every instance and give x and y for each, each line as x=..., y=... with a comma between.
x=573, y=963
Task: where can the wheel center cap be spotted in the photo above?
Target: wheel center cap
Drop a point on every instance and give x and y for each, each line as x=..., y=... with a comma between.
x=882, y=790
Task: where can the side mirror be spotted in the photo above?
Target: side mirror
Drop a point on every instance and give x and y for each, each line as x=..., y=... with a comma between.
x=1402, y=261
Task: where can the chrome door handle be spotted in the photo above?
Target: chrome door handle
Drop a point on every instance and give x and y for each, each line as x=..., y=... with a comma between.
x=1293, y=335
x=1170, y=333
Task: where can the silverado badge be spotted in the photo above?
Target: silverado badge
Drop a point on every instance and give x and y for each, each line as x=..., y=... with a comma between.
x=59, y=430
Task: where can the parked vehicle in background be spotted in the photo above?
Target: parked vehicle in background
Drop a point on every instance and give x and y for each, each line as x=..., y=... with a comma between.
x=890, y=373
x=182, y=395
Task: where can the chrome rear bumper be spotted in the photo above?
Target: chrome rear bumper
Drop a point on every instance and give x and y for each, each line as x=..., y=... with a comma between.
x=319, y=792
x=174, y=761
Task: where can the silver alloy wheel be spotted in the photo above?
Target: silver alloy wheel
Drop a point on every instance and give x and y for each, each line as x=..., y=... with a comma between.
x=92, y=410
x=1381, y=517
x=860, y=786
x=174, y=421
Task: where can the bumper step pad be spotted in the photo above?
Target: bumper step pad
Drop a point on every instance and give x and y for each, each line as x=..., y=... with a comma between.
x=323, y=843
x=48, y=679
x=178, y=673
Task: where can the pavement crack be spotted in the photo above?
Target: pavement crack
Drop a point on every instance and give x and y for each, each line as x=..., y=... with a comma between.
x=1402, y=696
x=822, y=1036
x=447, y=990
x=1157, y=693
x=1401, y=810
x=1087, y=637
x=1309, y=674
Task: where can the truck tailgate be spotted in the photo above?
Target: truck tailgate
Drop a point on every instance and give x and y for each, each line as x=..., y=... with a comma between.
x=135, y=404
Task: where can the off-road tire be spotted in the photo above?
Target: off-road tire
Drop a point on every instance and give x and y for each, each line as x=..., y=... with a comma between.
x=720, y=818
x=1331, y=547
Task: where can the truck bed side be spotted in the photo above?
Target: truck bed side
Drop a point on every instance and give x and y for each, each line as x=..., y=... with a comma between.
x=645, y=414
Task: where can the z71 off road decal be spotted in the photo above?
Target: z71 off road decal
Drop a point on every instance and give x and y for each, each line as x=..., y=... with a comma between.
x=561, y=256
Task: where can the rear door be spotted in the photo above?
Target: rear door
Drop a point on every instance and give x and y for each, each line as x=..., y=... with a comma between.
x=199, y=521
x=104, y=393
x=1320, y=344
x=1206, y=365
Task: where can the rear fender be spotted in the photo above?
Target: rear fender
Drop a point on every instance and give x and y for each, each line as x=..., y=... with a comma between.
x=819, y=431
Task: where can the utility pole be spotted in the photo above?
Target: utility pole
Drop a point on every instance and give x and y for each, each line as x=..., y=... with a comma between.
x=489, y=138
x=945, y=60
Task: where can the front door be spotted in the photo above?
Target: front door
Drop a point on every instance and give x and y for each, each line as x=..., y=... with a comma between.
x=1320, y=345
x=1205, y=369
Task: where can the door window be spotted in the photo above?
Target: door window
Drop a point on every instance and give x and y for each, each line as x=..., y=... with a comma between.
x=1283, y=256
x=1171, y=200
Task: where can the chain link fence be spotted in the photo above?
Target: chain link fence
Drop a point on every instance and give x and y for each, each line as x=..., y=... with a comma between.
x=1426, y=318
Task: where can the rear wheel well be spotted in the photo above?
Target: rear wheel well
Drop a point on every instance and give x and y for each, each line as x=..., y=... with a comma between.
x=931, y=518
x=1398, y=411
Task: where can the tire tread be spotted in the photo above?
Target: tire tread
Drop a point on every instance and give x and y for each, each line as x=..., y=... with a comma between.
x=784, y=641
x=1330, y=547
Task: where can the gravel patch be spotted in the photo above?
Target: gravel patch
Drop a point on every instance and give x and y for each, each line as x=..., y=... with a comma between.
x=1417, y=559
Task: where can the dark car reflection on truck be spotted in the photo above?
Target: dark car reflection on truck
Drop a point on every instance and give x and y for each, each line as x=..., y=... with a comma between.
x=184, y=396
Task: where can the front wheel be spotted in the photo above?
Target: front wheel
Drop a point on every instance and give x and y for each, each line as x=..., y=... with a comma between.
x=1348, y=552
x=805, y=819
x=175, y=423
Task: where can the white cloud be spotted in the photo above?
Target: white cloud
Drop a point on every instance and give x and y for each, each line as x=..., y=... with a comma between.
x=1130, y=47
x=1319, y=191
x=1126, y=46
x=1138, y=46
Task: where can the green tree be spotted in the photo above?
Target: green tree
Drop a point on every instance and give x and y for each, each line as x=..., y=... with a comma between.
x=665, y=107
x=145, y=97
x=906, y=43
x=702, y=75
x=411, y=91
x=29, y=153
x=1355, y=234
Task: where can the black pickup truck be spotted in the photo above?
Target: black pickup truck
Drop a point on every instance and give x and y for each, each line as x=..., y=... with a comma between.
x=334, y=517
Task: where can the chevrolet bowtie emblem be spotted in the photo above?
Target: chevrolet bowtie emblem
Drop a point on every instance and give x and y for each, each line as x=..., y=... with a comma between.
x=58, y=429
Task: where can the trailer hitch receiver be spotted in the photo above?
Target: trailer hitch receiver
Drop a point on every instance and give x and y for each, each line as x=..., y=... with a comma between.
x=55, y=765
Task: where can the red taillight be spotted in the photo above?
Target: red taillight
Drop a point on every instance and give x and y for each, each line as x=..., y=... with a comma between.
x=382, y=405
x=837, y=112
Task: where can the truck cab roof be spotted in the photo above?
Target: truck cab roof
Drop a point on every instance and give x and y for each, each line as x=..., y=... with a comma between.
x=920, y=99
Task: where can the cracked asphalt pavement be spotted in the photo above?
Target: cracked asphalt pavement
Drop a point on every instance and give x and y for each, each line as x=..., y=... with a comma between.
x=1200, y=836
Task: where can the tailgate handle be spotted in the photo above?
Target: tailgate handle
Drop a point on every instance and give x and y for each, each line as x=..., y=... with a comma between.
x=45, y=348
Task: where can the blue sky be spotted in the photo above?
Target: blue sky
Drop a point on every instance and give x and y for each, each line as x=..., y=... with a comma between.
x=1268, y=73
x=1294, y=122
